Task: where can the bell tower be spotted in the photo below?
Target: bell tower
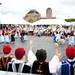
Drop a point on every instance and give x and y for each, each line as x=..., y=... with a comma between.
x=49, y=14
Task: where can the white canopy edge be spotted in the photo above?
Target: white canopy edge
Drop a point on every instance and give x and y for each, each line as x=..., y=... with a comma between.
x=50, y=22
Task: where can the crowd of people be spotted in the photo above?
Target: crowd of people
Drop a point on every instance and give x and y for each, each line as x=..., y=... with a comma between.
x=8, y=33
x=37, y=63
x=65, y=36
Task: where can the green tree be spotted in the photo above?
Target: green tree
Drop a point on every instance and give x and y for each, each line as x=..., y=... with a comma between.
x=70, y=20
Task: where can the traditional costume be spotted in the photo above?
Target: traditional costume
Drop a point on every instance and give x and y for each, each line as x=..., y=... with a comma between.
x=40, y=66
x=71, y=39
x=6, y=37
x=6, y=58
x=67, y=66
x=13, y=37
x=58, y=37
x=19, y=65
x=16, y=35
x=51, y=67
x=22, y=36
x=26, y=37
x=1, y=37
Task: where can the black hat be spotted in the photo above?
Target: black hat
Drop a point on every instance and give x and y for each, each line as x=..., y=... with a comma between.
x=41, y=55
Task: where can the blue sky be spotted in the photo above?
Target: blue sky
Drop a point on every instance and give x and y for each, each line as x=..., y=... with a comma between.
x=61, y=8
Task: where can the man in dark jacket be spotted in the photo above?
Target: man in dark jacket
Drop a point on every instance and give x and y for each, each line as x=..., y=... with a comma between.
x=41, y=66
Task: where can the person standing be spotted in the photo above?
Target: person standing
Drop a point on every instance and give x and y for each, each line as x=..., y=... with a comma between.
x=13, y=36
x=6, y=57
x=67, y=66
x=1, y=37
x=6, y=36
x=22, y=35
x=39, y=63
x=41, y=66
x=19, y=64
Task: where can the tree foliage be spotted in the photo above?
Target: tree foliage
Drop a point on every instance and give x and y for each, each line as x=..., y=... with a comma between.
x=70, y=20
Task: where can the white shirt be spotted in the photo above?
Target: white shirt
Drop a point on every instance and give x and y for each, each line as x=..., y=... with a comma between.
x=53, y=64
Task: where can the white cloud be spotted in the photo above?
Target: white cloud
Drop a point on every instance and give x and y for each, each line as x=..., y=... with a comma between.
x=68, y=2
x=61, y=8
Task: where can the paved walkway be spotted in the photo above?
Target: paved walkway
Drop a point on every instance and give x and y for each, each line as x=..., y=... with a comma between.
x=38, y=42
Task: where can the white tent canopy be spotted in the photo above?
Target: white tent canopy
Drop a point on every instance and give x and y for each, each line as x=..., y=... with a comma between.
x=72, y=23
x=16, y=19
x=50, y=22
x=11, y=19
